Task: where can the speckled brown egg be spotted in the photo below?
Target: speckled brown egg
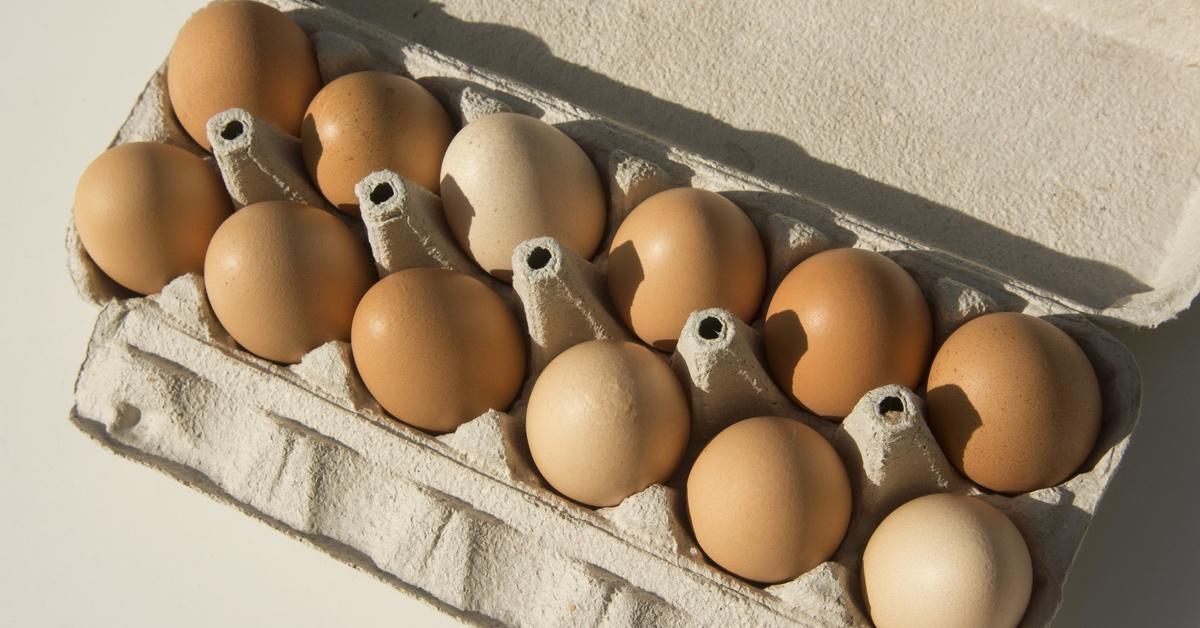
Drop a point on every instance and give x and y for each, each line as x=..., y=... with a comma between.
x=606, y=419
x=284, y=278
x=1014, y=402
x=437, y=348
x=241, y=54
x=145, y=213
x=680, y=251
x=507, y=178
x=947, y=561
x=769, y=499
x=369, y=121
x=842, y=323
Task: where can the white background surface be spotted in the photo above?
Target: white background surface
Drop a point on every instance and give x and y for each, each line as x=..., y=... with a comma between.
x=89, y=539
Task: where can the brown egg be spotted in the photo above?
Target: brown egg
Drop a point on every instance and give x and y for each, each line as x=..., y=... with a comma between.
x=769, y=499
x=241, y=54
x=284, y=278
x=437, y=348
x=368, y=121
x=947, y=561
x=145, y=213
x=507, y=178
x=1014, y=402
x=842, y=323
x=680, y=251
x=606, y=419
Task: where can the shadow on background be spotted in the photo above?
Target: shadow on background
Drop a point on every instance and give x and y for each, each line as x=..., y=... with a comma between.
x=523, y=56
x=1137, y=566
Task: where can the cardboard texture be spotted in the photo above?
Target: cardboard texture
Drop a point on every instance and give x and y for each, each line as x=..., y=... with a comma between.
x=462, y=520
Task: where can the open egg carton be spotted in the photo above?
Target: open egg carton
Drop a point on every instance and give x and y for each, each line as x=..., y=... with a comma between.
x=463, y=520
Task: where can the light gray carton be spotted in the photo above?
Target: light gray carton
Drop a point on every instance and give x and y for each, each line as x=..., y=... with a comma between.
x=463, y=521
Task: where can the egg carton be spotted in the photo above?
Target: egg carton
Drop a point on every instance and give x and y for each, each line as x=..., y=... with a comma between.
x=463, y=521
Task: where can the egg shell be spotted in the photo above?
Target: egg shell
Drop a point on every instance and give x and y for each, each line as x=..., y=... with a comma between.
x=241, y=54
x=947, y=561
x=284, y=278
x=679, y=251
x=145, y=213
x=842, y=323
x=1014, y=402
x=369, y=121
x=507, y=178
x=769, y=499
x=437, y=348
x=606, y=419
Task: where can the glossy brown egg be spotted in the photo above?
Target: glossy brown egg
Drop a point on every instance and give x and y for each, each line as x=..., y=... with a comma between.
x=437, y=348
x=507, y=178
x=284, y=278
x=1014, y=402
x=241, y=54
x=145, y=213
x=369, y=121
x=680, y=251
x=947, y=561
x=769, y=499
x=606, y=419
x=842, y=323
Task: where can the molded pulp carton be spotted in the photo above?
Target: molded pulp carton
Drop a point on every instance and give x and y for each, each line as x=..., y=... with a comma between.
x=463, y=521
